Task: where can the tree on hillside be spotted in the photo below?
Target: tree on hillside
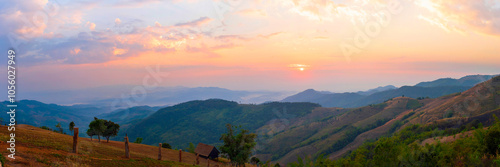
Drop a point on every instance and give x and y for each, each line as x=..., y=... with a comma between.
x=191, y=148
x=58, y=126
x=492, y=137
x=98, y=127
x=138, y=140
x=71, y=126
x=91, y=133
x=166, y=145
x=111, y=130
x=254, y=160
x=238, y=147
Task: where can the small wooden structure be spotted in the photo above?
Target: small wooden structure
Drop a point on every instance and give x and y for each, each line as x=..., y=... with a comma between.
x=207, y=151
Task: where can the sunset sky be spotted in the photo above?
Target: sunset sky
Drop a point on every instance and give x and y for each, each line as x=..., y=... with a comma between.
x=283, y=45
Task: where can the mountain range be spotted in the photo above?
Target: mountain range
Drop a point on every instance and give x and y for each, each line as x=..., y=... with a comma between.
x=431, y=89
x=290, y=129
x=109, y=98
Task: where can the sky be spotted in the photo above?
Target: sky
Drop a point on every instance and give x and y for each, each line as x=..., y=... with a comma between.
x=279, y=45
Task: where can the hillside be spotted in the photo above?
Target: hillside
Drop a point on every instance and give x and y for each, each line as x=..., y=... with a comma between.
x=38, y=147
x=126, y=117
x=332, y=132
x=204, y=120
x=287, y=130
x=431, y=89
x=338, y=133
x=40, y=114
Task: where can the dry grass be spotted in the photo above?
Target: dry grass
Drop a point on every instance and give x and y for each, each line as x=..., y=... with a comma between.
x=38, y=147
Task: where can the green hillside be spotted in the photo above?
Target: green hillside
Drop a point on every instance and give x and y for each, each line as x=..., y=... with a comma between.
x=204, y=121
x=40, y=114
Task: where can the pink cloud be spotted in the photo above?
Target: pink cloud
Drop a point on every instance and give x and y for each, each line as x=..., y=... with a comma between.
x=462, y=15
x=195, y=23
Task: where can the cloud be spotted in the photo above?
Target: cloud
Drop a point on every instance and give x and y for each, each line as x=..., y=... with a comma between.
x=481, y=16
x=91, y=26
x=195, y=23
x=118, y=21
x=327, y=10
x=270, y=35
x=253, y=12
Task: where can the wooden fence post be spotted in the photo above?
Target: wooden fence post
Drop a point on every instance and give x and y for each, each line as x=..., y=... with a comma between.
x=208, y=162
x=127, y=153
x=197, y=159
x=180, y=155
x=159, y=152
x=75, y=140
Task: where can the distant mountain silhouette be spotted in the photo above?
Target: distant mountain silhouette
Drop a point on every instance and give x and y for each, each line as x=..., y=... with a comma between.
x=430, y=89
x=378, y=89
x=120, y=96
x=469, y=80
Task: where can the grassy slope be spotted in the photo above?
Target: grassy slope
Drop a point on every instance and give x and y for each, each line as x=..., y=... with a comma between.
x=38, y=147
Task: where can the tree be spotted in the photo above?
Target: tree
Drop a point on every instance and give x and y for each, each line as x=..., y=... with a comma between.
x=138, y=140
x=111, y=130
x=492, y=137
x=254, y=160
x=58, y=126
x=91, y=133
x=191, y=148
x=98, y=127
x=71, y=126
x=166, y=145
x=238, y=147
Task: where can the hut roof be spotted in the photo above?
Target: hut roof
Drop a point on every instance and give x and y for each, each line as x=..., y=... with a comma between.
x=204, y=149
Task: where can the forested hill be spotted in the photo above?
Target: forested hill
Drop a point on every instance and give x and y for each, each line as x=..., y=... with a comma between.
x=204, y=120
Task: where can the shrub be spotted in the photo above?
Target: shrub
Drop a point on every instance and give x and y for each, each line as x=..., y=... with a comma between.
x=138, y=140
x=166, y=145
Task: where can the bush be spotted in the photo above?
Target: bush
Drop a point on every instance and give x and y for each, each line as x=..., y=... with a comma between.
x=166, y=145
x=448, y=114
x=45, y=127
x=138, y=140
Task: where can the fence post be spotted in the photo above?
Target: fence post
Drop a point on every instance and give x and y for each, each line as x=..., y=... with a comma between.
x=208, y=162
x=75, y=140
x=159, y=152
x=197, y=159
x=180, y=155
x=127, y=153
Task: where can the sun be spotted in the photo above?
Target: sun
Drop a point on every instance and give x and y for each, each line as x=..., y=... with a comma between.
x=300, y=67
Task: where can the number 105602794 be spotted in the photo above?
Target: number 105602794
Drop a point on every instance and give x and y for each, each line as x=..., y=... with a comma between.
x=11, y=71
